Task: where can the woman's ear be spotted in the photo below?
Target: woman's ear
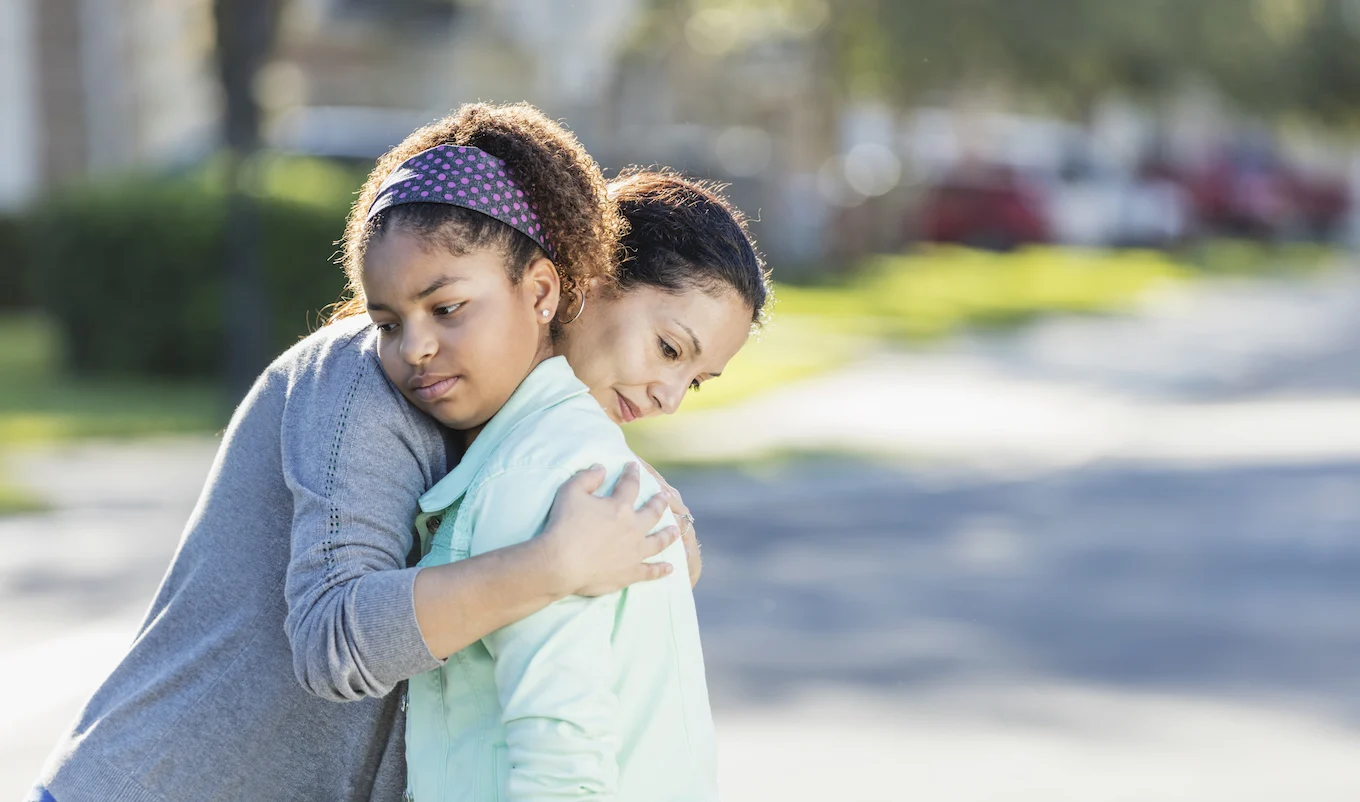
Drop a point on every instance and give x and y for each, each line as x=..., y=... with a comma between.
x=544, y=286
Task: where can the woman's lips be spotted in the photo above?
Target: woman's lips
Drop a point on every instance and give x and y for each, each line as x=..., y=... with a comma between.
x=627, y=411
x=433, y=392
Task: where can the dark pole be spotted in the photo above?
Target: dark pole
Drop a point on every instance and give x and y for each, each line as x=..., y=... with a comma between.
x=245, y=36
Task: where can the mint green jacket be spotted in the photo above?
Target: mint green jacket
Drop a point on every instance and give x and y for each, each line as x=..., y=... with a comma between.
x=599, y=699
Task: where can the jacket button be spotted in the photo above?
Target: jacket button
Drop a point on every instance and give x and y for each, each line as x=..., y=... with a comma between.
x=432, y=523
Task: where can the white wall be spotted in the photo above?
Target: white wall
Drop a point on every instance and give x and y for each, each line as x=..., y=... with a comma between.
x=19, y=156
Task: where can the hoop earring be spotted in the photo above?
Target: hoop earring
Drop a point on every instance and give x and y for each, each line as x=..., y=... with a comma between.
x=578, y=311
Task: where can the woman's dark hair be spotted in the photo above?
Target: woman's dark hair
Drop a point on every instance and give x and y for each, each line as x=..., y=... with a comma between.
x=682, y=235
x=562, y=181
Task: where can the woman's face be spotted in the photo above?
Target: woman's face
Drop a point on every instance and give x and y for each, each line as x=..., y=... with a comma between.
x=641, y=350
x=456, y=335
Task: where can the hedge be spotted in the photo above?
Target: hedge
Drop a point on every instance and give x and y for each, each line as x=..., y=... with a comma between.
x=16, y=271
x=132, y=269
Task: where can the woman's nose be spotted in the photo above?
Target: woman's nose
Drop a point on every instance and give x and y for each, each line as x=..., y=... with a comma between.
x=668, y=396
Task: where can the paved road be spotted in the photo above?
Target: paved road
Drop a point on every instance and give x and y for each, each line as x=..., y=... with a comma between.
x=1124, y=626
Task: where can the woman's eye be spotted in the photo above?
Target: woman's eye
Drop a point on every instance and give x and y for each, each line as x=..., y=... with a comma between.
x=446, y=310
x=386, y=327
x=667, y=351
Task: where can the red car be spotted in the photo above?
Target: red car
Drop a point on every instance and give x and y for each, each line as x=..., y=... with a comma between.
x=987, y=207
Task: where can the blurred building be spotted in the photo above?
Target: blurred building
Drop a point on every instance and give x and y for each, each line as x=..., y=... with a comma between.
x=637, y=83
x=93, y=86
x=355, y=76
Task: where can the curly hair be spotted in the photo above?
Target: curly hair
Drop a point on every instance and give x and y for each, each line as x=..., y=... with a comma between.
x=682, y=233
x=562, y=181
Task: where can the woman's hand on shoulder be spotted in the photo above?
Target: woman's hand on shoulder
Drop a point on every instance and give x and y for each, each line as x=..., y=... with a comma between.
x=677, y=505
x=601, y=542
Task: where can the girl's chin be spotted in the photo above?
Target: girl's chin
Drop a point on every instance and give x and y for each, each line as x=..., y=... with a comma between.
x=456, y=419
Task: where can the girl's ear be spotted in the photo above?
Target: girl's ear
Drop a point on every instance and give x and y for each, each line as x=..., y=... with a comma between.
x=544, y=286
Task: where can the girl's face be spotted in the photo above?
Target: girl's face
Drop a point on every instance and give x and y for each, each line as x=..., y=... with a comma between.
x=641, y=350
x=456, y=335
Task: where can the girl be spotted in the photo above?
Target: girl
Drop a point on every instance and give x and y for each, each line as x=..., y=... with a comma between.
x=586, y=697
x=291, y=589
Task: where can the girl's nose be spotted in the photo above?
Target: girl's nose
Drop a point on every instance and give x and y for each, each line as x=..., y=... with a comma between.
x=417, y=345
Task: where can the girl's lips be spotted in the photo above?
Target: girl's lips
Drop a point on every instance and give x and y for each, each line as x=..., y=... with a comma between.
x=626, y=410
x=433, y=392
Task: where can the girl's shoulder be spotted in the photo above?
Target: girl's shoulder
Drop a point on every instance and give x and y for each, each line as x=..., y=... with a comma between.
x=571, y=435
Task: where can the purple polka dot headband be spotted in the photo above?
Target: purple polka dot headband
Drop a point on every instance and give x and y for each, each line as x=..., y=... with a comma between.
x=463, y=176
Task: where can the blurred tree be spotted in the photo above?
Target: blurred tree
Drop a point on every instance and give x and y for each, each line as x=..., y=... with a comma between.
x=1274, y=56
x=1287, y=57
x=246, y=31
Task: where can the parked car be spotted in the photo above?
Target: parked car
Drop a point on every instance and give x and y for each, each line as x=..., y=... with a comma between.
x=983, y=207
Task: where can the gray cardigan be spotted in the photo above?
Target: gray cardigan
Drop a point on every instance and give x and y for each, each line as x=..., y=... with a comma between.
x=265, y=665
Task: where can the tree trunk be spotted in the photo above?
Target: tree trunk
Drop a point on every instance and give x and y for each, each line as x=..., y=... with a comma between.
x=245, y=37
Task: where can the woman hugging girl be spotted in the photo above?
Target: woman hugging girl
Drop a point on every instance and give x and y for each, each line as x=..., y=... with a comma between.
x=503, y=341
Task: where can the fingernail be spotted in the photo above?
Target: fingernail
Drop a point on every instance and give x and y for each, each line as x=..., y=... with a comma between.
x=597, y=467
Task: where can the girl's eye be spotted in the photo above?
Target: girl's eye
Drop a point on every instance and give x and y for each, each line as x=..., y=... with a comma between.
x=667, y=351
x=386, y=327
x=446, y=310
x=694, y=386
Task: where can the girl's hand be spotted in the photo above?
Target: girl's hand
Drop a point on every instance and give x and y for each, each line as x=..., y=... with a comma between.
x=691, y=540
x=600, y=542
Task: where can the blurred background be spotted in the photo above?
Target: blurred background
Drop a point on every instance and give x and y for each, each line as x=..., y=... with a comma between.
x=1043, y=483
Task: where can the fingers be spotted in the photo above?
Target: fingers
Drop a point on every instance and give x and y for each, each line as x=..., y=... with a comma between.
x=586, y=481
x=653, y=571
x=677, y=504
x=695, y=561
x=661, y=480
x=651, y=512
x=691, y=539
x=628, y=485
x=661, y=540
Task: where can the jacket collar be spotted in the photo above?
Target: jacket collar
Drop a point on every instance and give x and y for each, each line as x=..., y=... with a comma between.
x=549, y=384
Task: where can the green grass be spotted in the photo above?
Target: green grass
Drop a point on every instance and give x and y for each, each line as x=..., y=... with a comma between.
x=926, y=295
x=1235, y=257
x=938, y=291
x=39, y=403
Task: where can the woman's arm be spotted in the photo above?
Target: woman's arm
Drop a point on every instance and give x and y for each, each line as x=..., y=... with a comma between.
x=590, y=548
x=355, y=456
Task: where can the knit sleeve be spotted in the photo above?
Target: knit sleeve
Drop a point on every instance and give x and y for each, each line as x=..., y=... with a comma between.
x=356, y=457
